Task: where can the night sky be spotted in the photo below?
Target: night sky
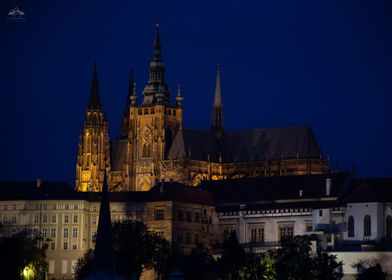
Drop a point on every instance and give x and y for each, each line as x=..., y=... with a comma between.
x=327, y=64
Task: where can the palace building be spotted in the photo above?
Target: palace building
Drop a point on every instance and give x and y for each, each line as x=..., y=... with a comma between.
x=154, y=145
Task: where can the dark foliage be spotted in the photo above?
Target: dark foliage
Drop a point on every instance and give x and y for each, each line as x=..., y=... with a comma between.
x=372, y=273
x=135, y=249
x=199, y=265
x=20, y=251
x=84, y=265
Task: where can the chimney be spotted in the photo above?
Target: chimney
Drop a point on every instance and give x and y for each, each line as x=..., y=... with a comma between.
x=39, y=182
x=328, y=186
x=301, y=193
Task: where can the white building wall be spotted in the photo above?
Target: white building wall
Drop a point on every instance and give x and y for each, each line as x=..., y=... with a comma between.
x=359, y=211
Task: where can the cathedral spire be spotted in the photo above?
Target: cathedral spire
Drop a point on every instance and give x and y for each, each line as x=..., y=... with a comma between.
x=156, y=91
x=103, y=253
x=95, y=101
x=217, y=108
x=157, y=46
x=131, y=101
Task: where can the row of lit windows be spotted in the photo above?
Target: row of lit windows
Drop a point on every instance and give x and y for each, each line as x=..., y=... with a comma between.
x=9, y=219
x=274, y=211
x=146, y=111
x=66, y=220
x=187, y=237
x=12, y=207
x=188, y=216
x=367, y=226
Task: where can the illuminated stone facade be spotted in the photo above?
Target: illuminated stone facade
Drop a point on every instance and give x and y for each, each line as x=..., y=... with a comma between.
x=93, y=144
x=154, y=146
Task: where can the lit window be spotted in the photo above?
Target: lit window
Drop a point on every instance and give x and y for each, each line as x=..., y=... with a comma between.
x=197, y=217
x=257, y=235
x=351, y=226
x=389, y=226
x=179, y=215
x=367, y=231
x=188, y=216
x=286, y=231
x=75, y=232
x=179, y=237
x=159, y=214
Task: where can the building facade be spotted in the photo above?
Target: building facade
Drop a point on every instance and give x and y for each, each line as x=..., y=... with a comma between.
x=351, y=217
x=155, y=146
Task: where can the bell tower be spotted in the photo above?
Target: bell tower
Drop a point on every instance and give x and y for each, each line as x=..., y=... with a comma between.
x=152, y=126
x=93, y=143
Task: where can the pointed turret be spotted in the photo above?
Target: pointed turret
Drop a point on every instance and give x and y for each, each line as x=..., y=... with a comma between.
x=93, y=143
x=103, y=263
x=131, y=101
x=103, y=253
x=156, y=91
x=217, y=108
x=95, y=101
x=179, y=98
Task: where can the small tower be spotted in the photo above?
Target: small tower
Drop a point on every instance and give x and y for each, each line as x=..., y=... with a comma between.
x=156, y=90
x=217, y=108
x=131, y=101
x=179, y=98
x=93, y=143
x=103, y=263
x=153, y=125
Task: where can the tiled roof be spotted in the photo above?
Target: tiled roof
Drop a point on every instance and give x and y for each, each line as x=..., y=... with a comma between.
x=246, y=146
x=371, y=190
x=63, y=191
x=268, y=190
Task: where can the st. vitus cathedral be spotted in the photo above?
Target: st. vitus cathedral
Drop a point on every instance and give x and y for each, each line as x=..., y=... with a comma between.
x=155, y=146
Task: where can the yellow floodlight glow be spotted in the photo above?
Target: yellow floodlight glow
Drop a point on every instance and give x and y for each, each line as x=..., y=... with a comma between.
x=28, y=272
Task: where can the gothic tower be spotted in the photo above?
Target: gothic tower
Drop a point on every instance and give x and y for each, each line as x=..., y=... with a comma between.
x=217, y=108
x=93, y=143
x=152, y=126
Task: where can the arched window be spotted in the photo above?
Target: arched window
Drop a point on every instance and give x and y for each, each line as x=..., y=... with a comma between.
x=367, y=226
x=350, y=226
x=146, y=144
x=146, y=153
x=389, y=226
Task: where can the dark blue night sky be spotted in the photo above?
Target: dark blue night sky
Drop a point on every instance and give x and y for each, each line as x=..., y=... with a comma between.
x=323, y=63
